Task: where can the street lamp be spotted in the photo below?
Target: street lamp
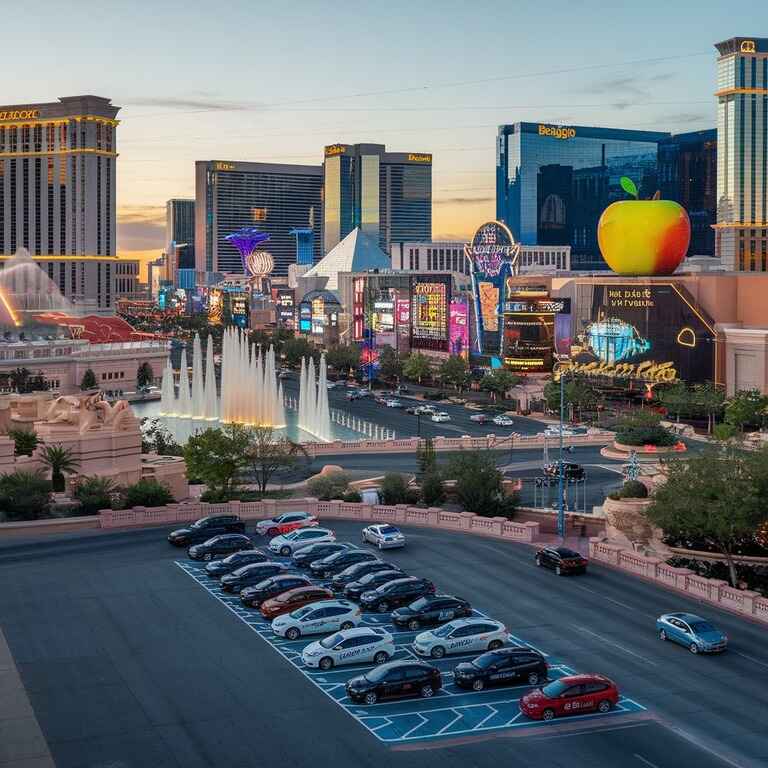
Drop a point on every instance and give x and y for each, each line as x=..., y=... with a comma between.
x=561, y=468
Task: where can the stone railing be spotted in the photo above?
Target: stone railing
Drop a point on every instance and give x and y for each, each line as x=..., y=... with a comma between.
x=714, y=591
x=402, y=514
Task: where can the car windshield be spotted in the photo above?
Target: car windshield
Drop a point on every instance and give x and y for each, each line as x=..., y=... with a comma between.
x=487, y=660
x=199, y=523
x=388, y=529
x=299, y=613
x=442, y=631
x=554, y=689
x=702, y=626
x=290, y=536
x=376, y=675
x=329, y=642
x=422, y=602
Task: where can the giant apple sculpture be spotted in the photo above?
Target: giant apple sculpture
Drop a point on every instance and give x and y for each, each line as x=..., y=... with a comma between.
x=643, y=237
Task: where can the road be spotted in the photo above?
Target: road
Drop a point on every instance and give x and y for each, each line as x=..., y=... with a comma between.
x=129, y=662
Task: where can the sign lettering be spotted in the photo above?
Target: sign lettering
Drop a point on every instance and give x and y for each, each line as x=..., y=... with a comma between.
x=648, y=370
x=748, y=46
x=420, y=158
x=557, y=132
x=335, y=149
x=224, y=166
x=20, y=114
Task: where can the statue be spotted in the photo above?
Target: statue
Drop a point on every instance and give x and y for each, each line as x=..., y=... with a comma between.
x=88, y=412
x=63, y=410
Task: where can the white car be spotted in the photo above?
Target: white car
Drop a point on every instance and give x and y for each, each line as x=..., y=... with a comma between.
x=461, y=636
x=553, y=430
x=426, y=410
x=503, y=421
x=285, y=523
x=288, y=543
x=384, y=536
x=361, y=645
x=442, y=416
x=393, y=403
x=318, y=618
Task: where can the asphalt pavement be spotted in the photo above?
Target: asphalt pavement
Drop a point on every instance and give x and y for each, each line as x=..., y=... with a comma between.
x=128, y=662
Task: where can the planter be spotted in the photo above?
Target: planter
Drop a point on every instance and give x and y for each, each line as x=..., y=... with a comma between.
x=644, y=451
x=626, y=524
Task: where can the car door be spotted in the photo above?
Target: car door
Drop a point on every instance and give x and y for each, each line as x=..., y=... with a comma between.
x=591, y=696
x=570, y=700
x=332, y=617
x=458, y=640
x=442, y=611
x=685, y=633
x=394, y=684
x=675, y=630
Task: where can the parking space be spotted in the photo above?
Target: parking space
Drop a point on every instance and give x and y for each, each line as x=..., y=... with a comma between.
x=451, y=712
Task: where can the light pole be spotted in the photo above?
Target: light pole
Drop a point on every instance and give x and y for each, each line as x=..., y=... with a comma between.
x=561, y=468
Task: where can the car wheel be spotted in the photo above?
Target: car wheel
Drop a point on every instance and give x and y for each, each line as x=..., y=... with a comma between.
x=662, y=635
x=538, y=561
x=494, y=644
x=292, y=633
x=478, y=685
x=325, y=663
x=437, y=652
x=370, y=698
x=208, y=556
x=272, y=531
x=347, y=625
x=548, y=714
x=383, y=607
x=558, y=570
x=604, y=706
x=426, y=692
x=382, y=657
x=285, y=551
x=413, y=625
x=379, y=546
x=693, y=648
x=533, y=678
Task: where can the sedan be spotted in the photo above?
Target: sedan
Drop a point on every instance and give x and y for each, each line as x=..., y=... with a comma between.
x=440, y=417
x=371, y=581
x=394, y=404
x=361, y=645
x=504, y=666
x=288, y=543
x=318, y=618
x=220, y=546
x=357, y=571
x=461, y=636
x=503, y=421
x=571, y=695
x=554, y=431
x=250, y=574
x=292, y=600
x=396, y=678
x=219, y=568
x=396, y=593
x=384, y=536
x=254, y=596
x=430, y=610
x=479, y=418
x=695, y=633
x=285, y=523
x=561, y=560
x=337, y=562
x=206, y=528
x=307, y=555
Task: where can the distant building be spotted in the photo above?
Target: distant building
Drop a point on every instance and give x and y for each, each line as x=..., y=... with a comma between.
x=180, y=231
x=276, y=198
x=387, y=195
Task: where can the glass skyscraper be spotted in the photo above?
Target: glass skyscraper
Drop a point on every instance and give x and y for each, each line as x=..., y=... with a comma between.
x=387, y=195
x=741, y=239
x=553, y=182
x=180, y=230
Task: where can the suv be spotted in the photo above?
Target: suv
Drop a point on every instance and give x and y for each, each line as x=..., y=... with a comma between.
x=396, y=593
x=206, y=528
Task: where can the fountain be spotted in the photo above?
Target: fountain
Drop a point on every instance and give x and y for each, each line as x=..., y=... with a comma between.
x=314, y=414
x=211, y=405
x=198, y=393
x=167, y=392
x=183, y=401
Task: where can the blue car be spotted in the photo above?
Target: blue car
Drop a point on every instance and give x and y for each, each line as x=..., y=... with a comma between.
x=695, y=633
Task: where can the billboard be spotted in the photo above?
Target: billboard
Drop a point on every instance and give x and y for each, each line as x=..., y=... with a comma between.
x=430, y=299
x=215, y=306
x=305, y=317
x=240, y=308
x=649, y=333
x=285, y=303
x=458, y=328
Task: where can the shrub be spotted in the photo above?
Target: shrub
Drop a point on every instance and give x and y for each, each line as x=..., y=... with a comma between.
x=353, y=497
x=432, y=492
x=633, y=489
x=329, y=486
x=24, y=441
x=94, y=494
x=146, y=493
x=394, y=488
x=24, y=495
x=643, y=428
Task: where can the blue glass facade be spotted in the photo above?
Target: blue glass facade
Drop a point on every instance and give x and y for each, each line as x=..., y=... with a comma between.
x=553, y=182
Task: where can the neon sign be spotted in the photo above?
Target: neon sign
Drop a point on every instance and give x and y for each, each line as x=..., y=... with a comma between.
x=557, y=132
x=747, y=46
x=20, y=114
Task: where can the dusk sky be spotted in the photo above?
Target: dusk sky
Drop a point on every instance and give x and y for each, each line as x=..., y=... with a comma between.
x=276, y=81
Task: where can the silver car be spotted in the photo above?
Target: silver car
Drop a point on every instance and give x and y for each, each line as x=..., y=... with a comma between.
x=289, y=543
x=384, y=536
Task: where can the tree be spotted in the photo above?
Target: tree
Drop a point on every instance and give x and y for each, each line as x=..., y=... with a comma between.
x=144, y=375
x=147, y=492
x=20, y=379
x=94, y=494
x=331, y=485
x=746, y=408
x=416, y=367
x=455, y=371
x=268, y=454
x=390, y=364
x=576, y=392
x=717, y=496
x=88, y=381
x=24, y=441
x=59, y=460
x=676, y=398
x=343, y=357
x=394, y=488
x=711, y=400
x=432, y=492
x=478, y=482
x=24, y=495
x=498, y=383
x=155, y=438
x=218, y=457
x=297, y=348
x=426, y=457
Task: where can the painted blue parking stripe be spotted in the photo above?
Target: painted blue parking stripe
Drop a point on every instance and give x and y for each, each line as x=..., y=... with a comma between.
x=451, y=712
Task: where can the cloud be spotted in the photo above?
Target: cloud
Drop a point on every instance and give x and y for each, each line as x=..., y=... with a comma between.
x=462, y=200
x=203, y=104
x=140, y=227
x=141, y=214
x=629, y=85
x=682, y=117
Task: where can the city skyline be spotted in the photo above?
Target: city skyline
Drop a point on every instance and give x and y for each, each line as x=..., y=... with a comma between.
x=279, y=98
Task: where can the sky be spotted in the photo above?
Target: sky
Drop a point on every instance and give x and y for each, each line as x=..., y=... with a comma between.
x=277, y=81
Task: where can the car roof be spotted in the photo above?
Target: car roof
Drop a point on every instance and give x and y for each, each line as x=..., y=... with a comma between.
x=685, y=616
x=473, y=620
x=565, y=552
x=515, y=650
x=358, y=631
x=584, y=677
x=333, y=602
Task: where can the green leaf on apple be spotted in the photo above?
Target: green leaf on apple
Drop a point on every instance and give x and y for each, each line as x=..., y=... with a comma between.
x=629, y=186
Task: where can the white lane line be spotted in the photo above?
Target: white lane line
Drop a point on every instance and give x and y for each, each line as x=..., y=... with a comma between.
x=749, y=658
x=509, y=722
x=488, y=717
x=644, y=761
x=383, y=725
x=415, y=727
x=445, y=727
x=622, y=648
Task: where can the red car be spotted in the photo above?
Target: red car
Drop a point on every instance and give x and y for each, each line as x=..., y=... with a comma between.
x=571, y=695
x=289, y=521
x=293, y=599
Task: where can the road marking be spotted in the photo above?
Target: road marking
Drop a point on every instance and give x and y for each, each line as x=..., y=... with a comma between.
x=493, y=712
x=509, y=722
x=445, y=727
x=611, y=600
x=423, y=720
x=643, y=760
x=750, y=658
x=614, y=644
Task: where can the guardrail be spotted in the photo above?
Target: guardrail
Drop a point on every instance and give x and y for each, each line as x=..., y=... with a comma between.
x=713, y=591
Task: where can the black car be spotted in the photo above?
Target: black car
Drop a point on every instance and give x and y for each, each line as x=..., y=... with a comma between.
x=357, y=571
x=504, y=666
x=395, y=679
x=219, y=568
x=307, y=555
x=394, y=593
x=561, y=560
x=206, y=528
x=249, y=575
x=254, y=596
x=220, y=546
x=337, y=562
x=430, y=610
x=571, y=470
x=371, y=581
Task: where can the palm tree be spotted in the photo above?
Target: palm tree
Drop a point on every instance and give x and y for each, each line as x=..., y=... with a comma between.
x=59, y=460
x=95, y=493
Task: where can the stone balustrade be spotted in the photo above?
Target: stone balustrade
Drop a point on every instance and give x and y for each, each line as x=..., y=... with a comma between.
x=713, y=591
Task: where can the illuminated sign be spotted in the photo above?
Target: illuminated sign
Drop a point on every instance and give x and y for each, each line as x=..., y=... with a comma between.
x=556, y=131
x=420, y=158
x=429, y=313
x=224, y=166
x=286, y=305
x=458, y=329
x=649, y=370
x=335, y=149
x=747, y=46
x=215, y=306
x=239, y=308
x=259, y=214
x=20, y=114
x=524, y=363
x=544, y=306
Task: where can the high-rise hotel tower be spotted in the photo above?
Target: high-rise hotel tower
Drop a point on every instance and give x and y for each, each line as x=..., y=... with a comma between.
x=741, y=232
